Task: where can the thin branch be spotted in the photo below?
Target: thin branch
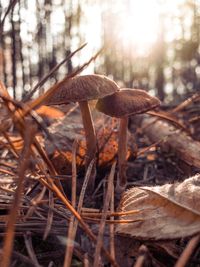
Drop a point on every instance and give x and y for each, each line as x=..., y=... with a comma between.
x=41, y=99
x=30, y=250
x=188, y=251
x=54, y=69
x=186, y=103
x=112, y=229
x=143, y=255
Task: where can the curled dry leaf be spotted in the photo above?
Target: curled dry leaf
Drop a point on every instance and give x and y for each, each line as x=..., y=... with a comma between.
x=66, y=130
x=166, y=212
x=106, y=142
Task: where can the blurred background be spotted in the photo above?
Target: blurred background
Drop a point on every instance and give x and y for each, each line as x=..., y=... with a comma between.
x=148, y=44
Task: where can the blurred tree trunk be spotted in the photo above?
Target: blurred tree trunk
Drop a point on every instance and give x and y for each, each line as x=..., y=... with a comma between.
x=1, y=52
x=41, y=41
x=14, y=52
x=160, y=60
x=68, y=36
x=21, y=51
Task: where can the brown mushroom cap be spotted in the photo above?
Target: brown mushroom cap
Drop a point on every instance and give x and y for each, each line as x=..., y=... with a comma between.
x=127, y=102
x=83, y=88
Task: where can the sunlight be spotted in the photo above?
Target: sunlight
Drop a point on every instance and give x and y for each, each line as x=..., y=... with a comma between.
x=140, y=25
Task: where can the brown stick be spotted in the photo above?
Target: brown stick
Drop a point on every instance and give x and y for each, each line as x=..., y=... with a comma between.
x=143, y=251
x=112, y=228
x=188, y=251
x=177, y=141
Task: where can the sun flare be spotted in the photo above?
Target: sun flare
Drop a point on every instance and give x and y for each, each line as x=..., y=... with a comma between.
x=140, y=25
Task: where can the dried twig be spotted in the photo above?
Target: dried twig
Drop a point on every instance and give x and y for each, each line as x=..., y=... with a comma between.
x=97, y=221
x=188, y=251
x=186, y=103
x=44, y=79
x=35, y=201
x=112, y=228
x=50, y=216
x=13, y=149
x=21, y=258
x=168, y=117
x=109, y=214
x=74, y=173
x=143, y=251
x=86, y=260
x=30, y=250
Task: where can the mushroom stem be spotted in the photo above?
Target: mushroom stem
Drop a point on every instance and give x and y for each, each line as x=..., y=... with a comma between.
x=90, y=136
x=122, y=153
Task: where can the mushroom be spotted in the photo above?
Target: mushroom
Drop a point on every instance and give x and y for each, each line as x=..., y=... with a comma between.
x=121, y=104
x=81, y=89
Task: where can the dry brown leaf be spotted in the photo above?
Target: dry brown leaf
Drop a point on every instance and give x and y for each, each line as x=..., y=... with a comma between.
x=166, y=212
x=106, y=142
x=70, y=128
x=50, y=112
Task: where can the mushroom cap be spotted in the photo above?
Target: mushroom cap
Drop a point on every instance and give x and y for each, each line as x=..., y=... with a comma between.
x=127, y=102
x=83, y=88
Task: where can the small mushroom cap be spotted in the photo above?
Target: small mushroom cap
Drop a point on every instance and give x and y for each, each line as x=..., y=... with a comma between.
x=83, y=88
x=127, y=102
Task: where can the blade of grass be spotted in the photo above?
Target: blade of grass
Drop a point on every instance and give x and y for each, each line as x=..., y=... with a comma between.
x=80, y=204
x=112, y=228
x=7, y=172
x=18, y=119
x=23, y=259
x=188, y=251
x=30, y=250
x=50, y=184
x=45, y=158
x=71, y=235
x=13, y=149
x=44, y=79
x=104, y=214
x=74, y=173
x=35, y=201
x=99, y=214
x=10, y=231
x=50, y=216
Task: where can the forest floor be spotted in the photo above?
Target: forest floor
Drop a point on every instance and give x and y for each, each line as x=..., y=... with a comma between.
x=35, y=211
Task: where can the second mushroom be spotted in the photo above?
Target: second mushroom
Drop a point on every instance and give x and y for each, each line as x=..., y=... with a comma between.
x=121, y=104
